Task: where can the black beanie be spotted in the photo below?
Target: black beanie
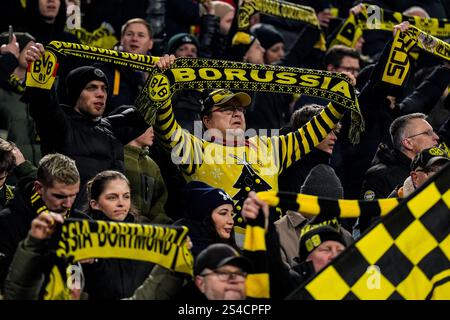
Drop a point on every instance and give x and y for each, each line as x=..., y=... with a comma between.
x=179, y=39
x=201, y=199
x=321, y=233
x=266, y=34
x=242, y=41
x=78, y=78
x=322, y=181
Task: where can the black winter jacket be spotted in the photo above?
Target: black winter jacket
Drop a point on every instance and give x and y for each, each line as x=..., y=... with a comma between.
x=94, y=145
x=114, y=279
x=389, y=169
x=293, y=177
x=16, y=217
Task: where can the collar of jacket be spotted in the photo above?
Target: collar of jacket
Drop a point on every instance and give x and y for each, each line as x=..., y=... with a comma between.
x=295, y=218
x=136, y=152
x=70, y=111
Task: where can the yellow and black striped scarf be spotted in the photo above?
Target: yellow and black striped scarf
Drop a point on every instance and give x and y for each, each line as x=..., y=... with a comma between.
x=257, y=283
x=78, y=239
x=326, y=208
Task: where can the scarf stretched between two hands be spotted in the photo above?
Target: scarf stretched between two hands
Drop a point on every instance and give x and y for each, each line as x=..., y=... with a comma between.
x=280, y=9
x=188, y=73
x=373, y=17
x=78, y=239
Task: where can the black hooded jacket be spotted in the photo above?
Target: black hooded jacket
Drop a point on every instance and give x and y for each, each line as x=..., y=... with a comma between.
x=95, y=145
x=389, y=169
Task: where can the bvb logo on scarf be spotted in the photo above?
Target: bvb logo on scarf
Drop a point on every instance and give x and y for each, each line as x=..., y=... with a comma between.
x=42, y=72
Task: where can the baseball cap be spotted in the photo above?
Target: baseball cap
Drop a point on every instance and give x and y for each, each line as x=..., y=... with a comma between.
x=220, y=97
x=218, y=255
x=427, y=157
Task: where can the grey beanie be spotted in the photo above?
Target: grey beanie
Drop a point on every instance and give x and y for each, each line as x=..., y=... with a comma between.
x=322, y=181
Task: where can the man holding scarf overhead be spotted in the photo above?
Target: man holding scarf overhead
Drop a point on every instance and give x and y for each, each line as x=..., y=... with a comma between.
x=225, y=157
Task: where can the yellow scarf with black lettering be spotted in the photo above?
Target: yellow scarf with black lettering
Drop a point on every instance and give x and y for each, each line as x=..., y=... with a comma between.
x=398, y=64
x=277, y=8
x=102, y=37
x=373, y=17
x=84, y=239
x=188, y=73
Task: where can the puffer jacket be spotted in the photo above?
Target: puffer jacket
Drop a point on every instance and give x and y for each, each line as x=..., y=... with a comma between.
x=94, y=145
x=389, y=169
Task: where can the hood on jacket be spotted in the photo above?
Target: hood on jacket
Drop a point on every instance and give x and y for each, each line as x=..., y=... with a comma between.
x=36, y=23
x=388, y=156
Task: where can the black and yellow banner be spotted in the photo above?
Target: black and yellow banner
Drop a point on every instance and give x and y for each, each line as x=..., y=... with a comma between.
x=276, y=8
x=405, y=256
x=42, y=73
x=398, y=64
x=373, y=17
x=312, y=206
x=84, y=239
x=188, y=73
x=102, y=37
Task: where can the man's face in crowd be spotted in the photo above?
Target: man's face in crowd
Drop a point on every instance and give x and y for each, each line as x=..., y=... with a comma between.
x=419, y=135
x=227, y=118
x=255, y=54
x=224, y=283
x=92, y=99
x=58, y=197
x=348, y=64
x=49, y=9
x=325, y=253
x=186, y=50
x=136, y=39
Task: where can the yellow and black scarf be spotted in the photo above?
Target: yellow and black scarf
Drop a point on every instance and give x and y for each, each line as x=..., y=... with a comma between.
x=277, y=8
x=78, y=239
x=373, y=17
x=187, y=73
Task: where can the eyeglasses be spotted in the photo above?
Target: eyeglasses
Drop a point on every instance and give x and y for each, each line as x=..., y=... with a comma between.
x=429, y=133
x=227, y=276
x=349, y=69
x=229, y=110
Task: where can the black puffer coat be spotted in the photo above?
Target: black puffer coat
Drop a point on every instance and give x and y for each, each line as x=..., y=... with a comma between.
x=94, y=145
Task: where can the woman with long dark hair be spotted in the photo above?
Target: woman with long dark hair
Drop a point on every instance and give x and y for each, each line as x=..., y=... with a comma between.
x=110, y=200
